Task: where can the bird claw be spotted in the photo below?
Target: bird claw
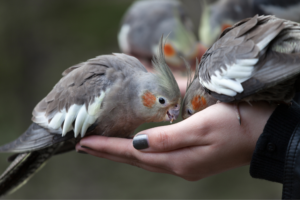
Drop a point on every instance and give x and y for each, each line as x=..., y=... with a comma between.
x=237, y=112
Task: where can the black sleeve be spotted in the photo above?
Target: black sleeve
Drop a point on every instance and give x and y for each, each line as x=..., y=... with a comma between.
x=269, y=157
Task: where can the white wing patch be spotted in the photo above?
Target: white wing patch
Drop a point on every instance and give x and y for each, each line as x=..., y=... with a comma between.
x=123, y=38
x=58, y=119
x=82, y=117
x=228, y=81
x=69, y=118
x=263, y=43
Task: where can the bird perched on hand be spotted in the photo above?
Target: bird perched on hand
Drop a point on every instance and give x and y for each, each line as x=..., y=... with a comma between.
x=144, y=23
x=225, y=13
x=258, y=59
x=110, y=95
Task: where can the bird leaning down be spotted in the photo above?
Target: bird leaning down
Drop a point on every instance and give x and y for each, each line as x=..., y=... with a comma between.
x=258, y=59
x=110, y=95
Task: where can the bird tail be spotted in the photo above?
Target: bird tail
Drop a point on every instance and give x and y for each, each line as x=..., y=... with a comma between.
x=22, y=168
x=33, y=148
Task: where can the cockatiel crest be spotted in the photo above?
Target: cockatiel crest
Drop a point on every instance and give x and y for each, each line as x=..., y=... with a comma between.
x=110, y=95
x=255, y=60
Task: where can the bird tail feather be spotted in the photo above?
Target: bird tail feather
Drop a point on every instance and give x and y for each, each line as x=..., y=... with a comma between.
x=22, y=168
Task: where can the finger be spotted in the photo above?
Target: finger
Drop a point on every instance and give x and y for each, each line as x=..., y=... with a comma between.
x=105, y=144
x=123, y=148
x=168, y=138
x=132, y=162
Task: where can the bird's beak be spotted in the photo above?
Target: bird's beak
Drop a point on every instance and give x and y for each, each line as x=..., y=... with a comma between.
x=172, y=114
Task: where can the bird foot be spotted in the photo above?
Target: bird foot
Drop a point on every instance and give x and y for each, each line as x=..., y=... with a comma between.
x=237, y=112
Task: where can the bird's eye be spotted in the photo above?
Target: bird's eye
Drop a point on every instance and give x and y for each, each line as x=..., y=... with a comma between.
x=161, y=100
x=189, y=111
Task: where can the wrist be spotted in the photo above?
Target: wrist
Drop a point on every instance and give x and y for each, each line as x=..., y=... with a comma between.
x=270, y=151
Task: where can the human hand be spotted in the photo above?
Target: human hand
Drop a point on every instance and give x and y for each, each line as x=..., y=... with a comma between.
x=207, y=143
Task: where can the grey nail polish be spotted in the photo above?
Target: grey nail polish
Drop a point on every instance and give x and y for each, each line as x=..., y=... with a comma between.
x=140, y=141
x=82, y=152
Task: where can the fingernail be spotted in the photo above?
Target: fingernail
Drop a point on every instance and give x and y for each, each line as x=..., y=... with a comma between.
x=140, y=142
x=82, y=152
x=86, y=147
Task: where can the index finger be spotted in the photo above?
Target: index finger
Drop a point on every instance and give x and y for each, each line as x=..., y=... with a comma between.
x=121, y=148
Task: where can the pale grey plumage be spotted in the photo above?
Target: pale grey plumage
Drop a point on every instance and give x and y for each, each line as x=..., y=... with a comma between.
x=266, y=48
x=105, y=96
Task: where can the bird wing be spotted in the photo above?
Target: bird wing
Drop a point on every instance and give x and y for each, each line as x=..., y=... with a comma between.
x=255, y=54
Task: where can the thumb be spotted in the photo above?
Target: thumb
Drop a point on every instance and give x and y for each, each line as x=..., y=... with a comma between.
x=166, y=138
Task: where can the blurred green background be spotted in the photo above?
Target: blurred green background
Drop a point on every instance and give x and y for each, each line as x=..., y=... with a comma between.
x=41, y=38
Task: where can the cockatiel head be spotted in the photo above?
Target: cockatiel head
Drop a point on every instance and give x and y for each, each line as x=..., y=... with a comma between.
x=196, y=98
x=159, y=93
x=144, y=23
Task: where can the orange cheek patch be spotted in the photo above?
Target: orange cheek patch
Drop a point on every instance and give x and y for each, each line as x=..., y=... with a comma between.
x=224, y=26
x=198, y=102
x=168, y=50
x=148, y=99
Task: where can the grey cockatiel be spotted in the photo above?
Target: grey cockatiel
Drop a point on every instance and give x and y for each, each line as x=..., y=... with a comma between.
x=144, y=23
x=110, y=95
x=257, y=59
x=224, y=13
